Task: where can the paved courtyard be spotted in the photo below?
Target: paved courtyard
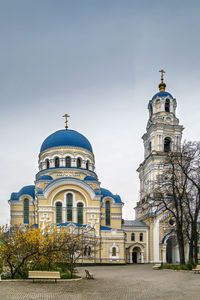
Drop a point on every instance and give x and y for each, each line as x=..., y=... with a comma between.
x=135, y=282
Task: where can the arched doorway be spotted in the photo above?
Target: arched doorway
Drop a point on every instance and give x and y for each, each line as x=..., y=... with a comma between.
x=136, y=255
x=172, y=250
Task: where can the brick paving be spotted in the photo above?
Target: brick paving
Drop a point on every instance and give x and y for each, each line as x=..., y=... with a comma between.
x=130, y=282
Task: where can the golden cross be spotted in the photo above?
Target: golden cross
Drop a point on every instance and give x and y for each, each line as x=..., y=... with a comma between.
x=162, y=73
x=66, y=116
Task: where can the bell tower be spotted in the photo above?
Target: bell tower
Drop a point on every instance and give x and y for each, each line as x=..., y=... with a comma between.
x=163, y=134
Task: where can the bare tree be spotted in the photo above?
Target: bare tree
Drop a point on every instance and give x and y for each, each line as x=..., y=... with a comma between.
x=177, y=190
x=189, y=163
x=168, y=193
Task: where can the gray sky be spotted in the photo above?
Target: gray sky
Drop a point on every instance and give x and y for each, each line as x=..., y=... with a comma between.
x=97, y=61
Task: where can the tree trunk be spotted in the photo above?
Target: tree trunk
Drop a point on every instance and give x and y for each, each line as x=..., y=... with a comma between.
x=181, y=245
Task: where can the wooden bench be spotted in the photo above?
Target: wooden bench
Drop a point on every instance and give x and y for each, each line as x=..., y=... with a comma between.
x=156, y=267
x=197, y=270
x=89, y=275
x=44, y=275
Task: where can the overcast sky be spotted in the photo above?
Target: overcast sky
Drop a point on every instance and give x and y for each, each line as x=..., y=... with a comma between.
x=97, y=61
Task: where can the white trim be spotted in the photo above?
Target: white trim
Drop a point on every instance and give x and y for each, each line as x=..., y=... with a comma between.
x=67, y=181
x=156, y=240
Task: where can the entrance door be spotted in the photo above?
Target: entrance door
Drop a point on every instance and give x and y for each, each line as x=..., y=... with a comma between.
x=134, y=257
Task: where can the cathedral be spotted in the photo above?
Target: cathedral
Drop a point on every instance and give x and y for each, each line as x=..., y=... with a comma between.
x=68, y=193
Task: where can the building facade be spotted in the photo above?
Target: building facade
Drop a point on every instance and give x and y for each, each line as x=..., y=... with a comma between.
x=67, y=192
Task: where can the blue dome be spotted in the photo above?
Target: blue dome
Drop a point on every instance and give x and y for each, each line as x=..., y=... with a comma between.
x=39, y=192
x=26, y=190
x=162, y=94
x=90, y=178
x=66, y=138
x=107, y=193
x=44, y=177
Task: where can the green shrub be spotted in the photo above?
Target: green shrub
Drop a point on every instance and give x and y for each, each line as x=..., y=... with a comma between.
x=187, y=266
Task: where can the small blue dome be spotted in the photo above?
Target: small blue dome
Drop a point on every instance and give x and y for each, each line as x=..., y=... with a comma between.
x=107, y=193
x=44, y=177
x=66, y=138
x=39, y=192
x=162, y=94
x=90, y=178
x=26, y=190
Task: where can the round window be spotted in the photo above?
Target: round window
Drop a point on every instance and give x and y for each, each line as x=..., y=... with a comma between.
x=171, y=222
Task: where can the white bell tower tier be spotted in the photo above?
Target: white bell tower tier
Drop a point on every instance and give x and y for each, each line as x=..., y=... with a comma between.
x=163, y=134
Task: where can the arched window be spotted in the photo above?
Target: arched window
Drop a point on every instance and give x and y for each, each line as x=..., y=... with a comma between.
x=133, y=237
x=47, y=163
x=141, y=237
x=167, y=105
x=149, y=147
x=87, y=165
x=78, y=163
x=80, y=213
x=114, y=251
x=69, y=207
x=26, y=211
x=150, y=109
x=57, y=162
x=108, y=213
x=58, y=212
x=68, y=162
x=167, y=144
x=89, y=251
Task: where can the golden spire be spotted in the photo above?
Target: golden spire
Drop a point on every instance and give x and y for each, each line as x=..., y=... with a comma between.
x=66, y=116
x=162, y=85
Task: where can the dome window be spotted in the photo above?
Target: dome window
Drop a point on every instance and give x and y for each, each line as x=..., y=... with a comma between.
x=108, y=213
x=57, y=162
x=58, y=212
x=87, y=165
x=26, y=211
x=47, y=163
x=150, y=147
x=69, y=207
x=167, y=105
x=68, y=162
x=79, y=162
x=167, y=144
x=80, y=213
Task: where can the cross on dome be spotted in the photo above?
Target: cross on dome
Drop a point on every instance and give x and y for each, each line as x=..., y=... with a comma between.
x=66, y=116
x=162, y=85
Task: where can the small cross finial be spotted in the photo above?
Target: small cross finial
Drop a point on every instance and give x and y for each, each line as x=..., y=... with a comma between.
x=162, y=85
x=66, y=116
x=162, y=73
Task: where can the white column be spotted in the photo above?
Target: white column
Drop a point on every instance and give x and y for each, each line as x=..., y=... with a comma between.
x=74, y=215
x=164, y=253
x=83, y=164
x=147, y=245
x=62, y=162
x=142, y=257
x=51, y=163
x=154, y=107
x=73, y=162
x=156, y=240
x=131, y=261
x=64, y=214
x=162, y=105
